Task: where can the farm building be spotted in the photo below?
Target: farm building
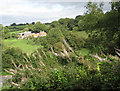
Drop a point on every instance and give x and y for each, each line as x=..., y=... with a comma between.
x=42, y=33
x=28, y=34
x=35, y=35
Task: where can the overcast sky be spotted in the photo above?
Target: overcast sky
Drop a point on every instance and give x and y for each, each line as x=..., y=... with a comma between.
x=27, y=11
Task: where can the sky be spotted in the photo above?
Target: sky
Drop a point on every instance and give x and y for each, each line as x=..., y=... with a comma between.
x=27, y=11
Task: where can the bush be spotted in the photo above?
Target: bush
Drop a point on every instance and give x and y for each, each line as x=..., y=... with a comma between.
x=10, y=53
x=48, y=71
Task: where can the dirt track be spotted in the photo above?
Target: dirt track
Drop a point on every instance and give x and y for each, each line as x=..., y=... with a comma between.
x=3, y=78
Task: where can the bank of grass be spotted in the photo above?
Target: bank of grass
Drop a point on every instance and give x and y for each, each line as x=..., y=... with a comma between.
x=17, y=31
x=4, y=73
x=16, y=28
x=83, y=51
x=24, y=44
x=81, y=33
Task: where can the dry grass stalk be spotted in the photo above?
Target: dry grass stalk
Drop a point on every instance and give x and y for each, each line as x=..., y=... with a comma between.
x=38, y=53
x=15, y=71
x=33, y=54
x=27, y=67
x=32, y=67
x=28, y=56
x=9, y=72
x=14, y=63
x=99, y=58
x=25, y=58
x=62, y=54
x=66, y=53
x=44, y=53
x=53, y=51
x=114, y=57
x=56, y=54
x=15, y=84
x=68, y=45
x=117, y=51
x=23, y=79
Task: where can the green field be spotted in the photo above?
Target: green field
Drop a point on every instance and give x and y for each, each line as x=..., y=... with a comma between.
x=84, y=51
x=25, y=45
x=82, y=34
x=16, y=28
x=21, y=26
x=4, y=73
x=17, y=31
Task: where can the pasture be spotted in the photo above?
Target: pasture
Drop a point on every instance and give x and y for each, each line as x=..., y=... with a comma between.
x=24, y=45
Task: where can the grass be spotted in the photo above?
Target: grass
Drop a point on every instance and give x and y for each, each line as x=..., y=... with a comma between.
x=16, y=28
x=23, y=44
x=16, y=31
x=21, y=27
x=4, y=73
x=82, y=34
x=84, y=51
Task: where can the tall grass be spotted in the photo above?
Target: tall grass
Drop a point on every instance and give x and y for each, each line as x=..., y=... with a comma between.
x=63, y=71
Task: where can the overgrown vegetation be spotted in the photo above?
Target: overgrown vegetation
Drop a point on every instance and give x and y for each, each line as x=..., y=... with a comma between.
x=64, y=71
x=81, y=53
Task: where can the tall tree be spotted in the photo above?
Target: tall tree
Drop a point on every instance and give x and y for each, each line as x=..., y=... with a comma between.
x=91, y=16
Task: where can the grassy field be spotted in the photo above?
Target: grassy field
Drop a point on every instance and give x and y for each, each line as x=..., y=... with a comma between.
x=21, y=26
x=16, y=28
x=4, y=73
x=84, y=51
x=82, y=34
x=25, y=45
x=17, y=31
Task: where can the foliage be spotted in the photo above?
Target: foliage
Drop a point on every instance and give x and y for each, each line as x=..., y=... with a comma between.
x=45, y=71
x=54, y=35
x=115, y=6
x=5, y=33
x=56, y=66
x=75, y=40
x=7, y=54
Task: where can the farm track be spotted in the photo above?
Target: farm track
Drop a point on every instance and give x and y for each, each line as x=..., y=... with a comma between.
x=4, y=78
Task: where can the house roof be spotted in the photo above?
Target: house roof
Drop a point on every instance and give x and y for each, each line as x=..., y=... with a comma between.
x=35, y=34
x=42, y=33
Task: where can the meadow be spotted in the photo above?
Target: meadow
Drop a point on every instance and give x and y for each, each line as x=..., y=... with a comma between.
x=25, y=45
x=28, y=45
x=17, y=31
x=16, y=28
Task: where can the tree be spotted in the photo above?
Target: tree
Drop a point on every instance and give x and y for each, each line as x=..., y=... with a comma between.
x=54, y=35
x=67, y=23
x=33, y=23
x=55, y=24
x=75, y=40
x=115, y=6
x=39, y=27
x=14, y=24
x=104, y=29
x=71, y=24
x=91, y=16
x=5, y=33
x=77, y=19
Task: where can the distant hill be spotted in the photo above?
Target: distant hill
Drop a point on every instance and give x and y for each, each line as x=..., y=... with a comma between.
x=17, y=28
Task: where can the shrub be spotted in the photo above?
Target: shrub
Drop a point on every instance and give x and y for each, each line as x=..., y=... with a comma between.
x=47, y=71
